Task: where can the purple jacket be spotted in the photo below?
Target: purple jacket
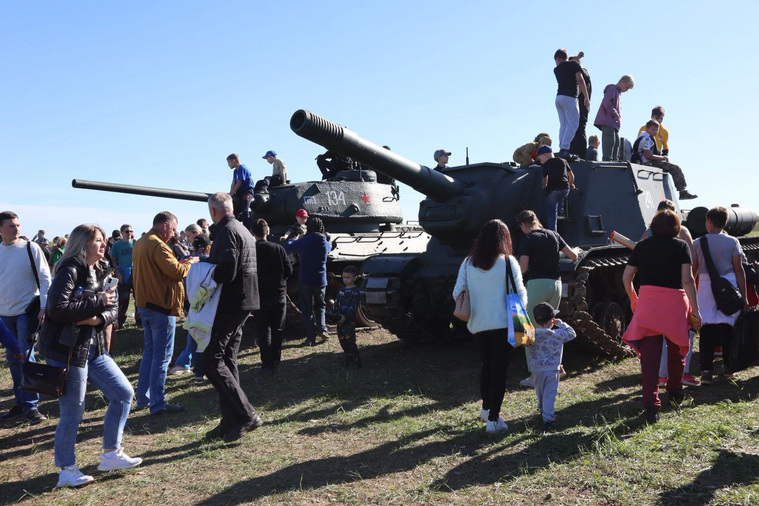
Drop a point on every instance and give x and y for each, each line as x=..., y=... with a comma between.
x=610, y=112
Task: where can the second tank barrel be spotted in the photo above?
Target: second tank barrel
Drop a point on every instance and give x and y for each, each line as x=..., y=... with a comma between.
x=347, y=143
x=140, y=190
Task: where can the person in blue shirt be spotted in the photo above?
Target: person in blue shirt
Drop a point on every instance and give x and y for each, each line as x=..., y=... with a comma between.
x=242, y=187
x=121, y=259
x=312, y=279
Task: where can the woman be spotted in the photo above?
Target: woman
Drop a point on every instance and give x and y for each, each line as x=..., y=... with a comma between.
x=483, y=276
x=76, y=313
x=667, y=298
x=727, y=256
x=539, y=262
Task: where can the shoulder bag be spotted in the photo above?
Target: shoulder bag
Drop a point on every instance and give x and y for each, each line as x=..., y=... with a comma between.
x=521, y=329
x=728, y=299
x=43, y=378
x=463, y=309
x=33, y=309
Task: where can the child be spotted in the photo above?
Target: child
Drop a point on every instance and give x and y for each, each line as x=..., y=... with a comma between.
x=241, y=189
x=545, y=358
x=347, y=306
x=592, y=154
x=298, y=228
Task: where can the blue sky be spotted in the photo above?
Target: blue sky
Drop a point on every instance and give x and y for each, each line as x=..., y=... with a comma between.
x=158, y=93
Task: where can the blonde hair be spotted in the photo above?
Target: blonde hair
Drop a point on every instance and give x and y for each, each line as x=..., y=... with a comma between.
x=76, y=247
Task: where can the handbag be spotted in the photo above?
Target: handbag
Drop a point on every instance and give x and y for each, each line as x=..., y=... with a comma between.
x=43, y=378
x=728, y=299
x=463, y=309
x=521, y=330
x=33, y=309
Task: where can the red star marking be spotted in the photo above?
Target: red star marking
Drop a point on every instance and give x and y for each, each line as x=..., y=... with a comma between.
x=365, y=198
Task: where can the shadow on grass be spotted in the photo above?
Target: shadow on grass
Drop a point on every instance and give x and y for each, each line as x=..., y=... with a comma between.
x=729, y=469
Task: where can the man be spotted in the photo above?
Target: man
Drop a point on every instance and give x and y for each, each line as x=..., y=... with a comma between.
x=441, y=157
x=121, y=259
x=234, y=254
x=274, y=268
x=571, y=83
x=558, y=179
x=242, y=185
x=648, y=154
x=330, y=163
x=159, y=296
x=19, y=286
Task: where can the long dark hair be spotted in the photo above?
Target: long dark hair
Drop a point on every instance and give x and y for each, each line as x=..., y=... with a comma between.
x=315, y=226
x=494, y=240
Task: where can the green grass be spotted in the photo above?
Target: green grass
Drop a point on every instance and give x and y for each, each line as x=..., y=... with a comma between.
x=404, y=429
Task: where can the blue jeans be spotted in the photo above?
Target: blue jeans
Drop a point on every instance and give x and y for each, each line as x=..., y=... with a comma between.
x=189, y=357
x=663, y=373
x=553, y=200
x=159, y=347
x=19, y=325
x=569, y=119
x=102, y=372
x=312, y=299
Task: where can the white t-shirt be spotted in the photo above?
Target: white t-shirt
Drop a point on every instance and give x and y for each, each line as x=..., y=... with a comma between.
x=17, y=284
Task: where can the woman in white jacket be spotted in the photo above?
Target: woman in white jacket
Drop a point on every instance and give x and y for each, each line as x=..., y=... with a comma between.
x=483, y=276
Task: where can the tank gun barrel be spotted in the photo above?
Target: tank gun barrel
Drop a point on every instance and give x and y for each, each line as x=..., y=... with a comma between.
x=346, y=142
x=140, y=190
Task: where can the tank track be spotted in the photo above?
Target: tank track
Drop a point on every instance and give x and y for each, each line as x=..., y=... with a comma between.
x=575, y=307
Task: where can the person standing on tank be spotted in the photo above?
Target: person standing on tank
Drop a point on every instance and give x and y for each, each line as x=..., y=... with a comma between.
x=242, y=185
x=558, y=179
x=539, y=254
x=570, y=84
x=483, y=275
x=609, y=117
x=579, y=144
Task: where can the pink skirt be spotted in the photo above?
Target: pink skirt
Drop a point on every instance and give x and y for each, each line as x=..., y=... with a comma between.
x=660, y=311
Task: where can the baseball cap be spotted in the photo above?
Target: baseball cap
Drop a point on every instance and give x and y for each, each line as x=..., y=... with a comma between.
x=543, y=312
x=201, y=241
x=544, y=150
x=302, y=213
x=441, y=152
x=269, y=153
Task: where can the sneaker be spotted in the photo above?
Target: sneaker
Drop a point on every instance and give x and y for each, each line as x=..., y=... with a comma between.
x=33, y=416
x=71, y=476
x=690, y=380
x=14, y=413
x=562, y=372
x=718, y=351
x=323, y=336
x=117, y=459
x=652, y=415
x=178, y=369
x=547, y=426
x=169, y=409
x=494, y=427
x=528, y=382
x=199, y=378
x=663, y=382
x=484, y=414
x=686, y=195
x=241, y=430
x=706, y=378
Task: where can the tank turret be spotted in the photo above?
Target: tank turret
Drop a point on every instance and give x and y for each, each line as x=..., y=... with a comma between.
x=411, y=294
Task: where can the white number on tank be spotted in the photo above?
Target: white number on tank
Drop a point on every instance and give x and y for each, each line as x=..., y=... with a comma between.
x=336, y=198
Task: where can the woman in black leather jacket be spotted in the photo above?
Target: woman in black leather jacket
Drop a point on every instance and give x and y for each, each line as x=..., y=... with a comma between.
x=77, y=311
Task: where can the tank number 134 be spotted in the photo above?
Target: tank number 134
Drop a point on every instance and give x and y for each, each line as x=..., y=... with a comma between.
x=335, y=198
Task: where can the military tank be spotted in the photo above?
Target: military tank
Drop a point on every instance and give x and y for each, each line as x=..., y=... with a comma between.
x=410, y=293
x=362, y=216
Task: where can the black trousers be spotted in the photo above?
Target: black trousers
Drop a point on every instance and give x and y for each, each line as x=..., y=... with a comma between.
x=124, y=289
x=494, y=351
x=221, y=367
x=270, y=327
x=714, y=334
x=579, y=144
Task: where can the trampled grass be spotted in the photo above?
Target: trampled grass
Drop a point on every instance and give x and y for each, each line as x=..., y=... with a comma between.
x=404, y=429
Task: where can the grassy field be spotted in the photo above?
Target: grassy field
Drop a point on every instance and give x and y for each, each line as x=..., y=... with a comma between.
x=404, y=430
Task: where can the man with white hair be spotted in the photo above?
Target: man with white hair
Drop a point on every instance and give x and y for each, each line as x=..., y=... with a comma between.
x=234, y=254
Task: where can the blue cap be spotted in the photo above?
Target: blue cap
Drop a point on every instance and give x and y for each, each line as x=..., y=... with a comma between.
x=269, y=153
x=544, y=150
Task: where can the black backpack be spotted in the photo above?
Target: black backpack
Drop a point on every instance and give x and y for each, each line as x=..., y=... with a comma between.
x=635, y=158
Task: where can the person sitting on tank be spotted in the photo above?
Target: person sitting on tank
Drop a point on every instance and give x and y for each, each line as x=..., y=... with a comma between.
x=526, y=155
x=330, y=163
x=298, y=228
x=242, y=188
x=441, y=157
x=278, y=174
x=646, y=152
x=558, y=180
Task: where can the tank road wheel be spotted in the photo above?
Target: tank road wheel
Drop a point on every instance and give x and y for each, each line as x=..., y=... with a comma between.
x=611, y=319
x=362, y=317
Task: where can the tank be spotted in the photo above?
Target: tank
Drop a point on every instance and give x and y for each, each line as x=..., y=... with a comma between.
x=410, y=294
x=362, y=216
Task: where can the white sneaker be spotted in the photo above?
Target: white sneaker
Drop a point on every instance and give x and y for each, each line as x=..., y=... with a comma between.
x=178, y=369
x=528, y=382
x=484, y=414
x=496, y=427
x=71, y=476
x=117, y=459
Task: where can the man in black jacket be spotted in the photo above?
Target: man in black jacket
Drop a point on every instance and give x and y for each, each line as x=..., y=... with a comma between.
x=275, y=268
x=234, y=254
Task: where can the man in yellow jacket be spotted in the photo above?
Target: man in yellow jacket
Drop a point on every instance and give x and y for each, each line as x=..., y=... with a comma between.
x=159, y=295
